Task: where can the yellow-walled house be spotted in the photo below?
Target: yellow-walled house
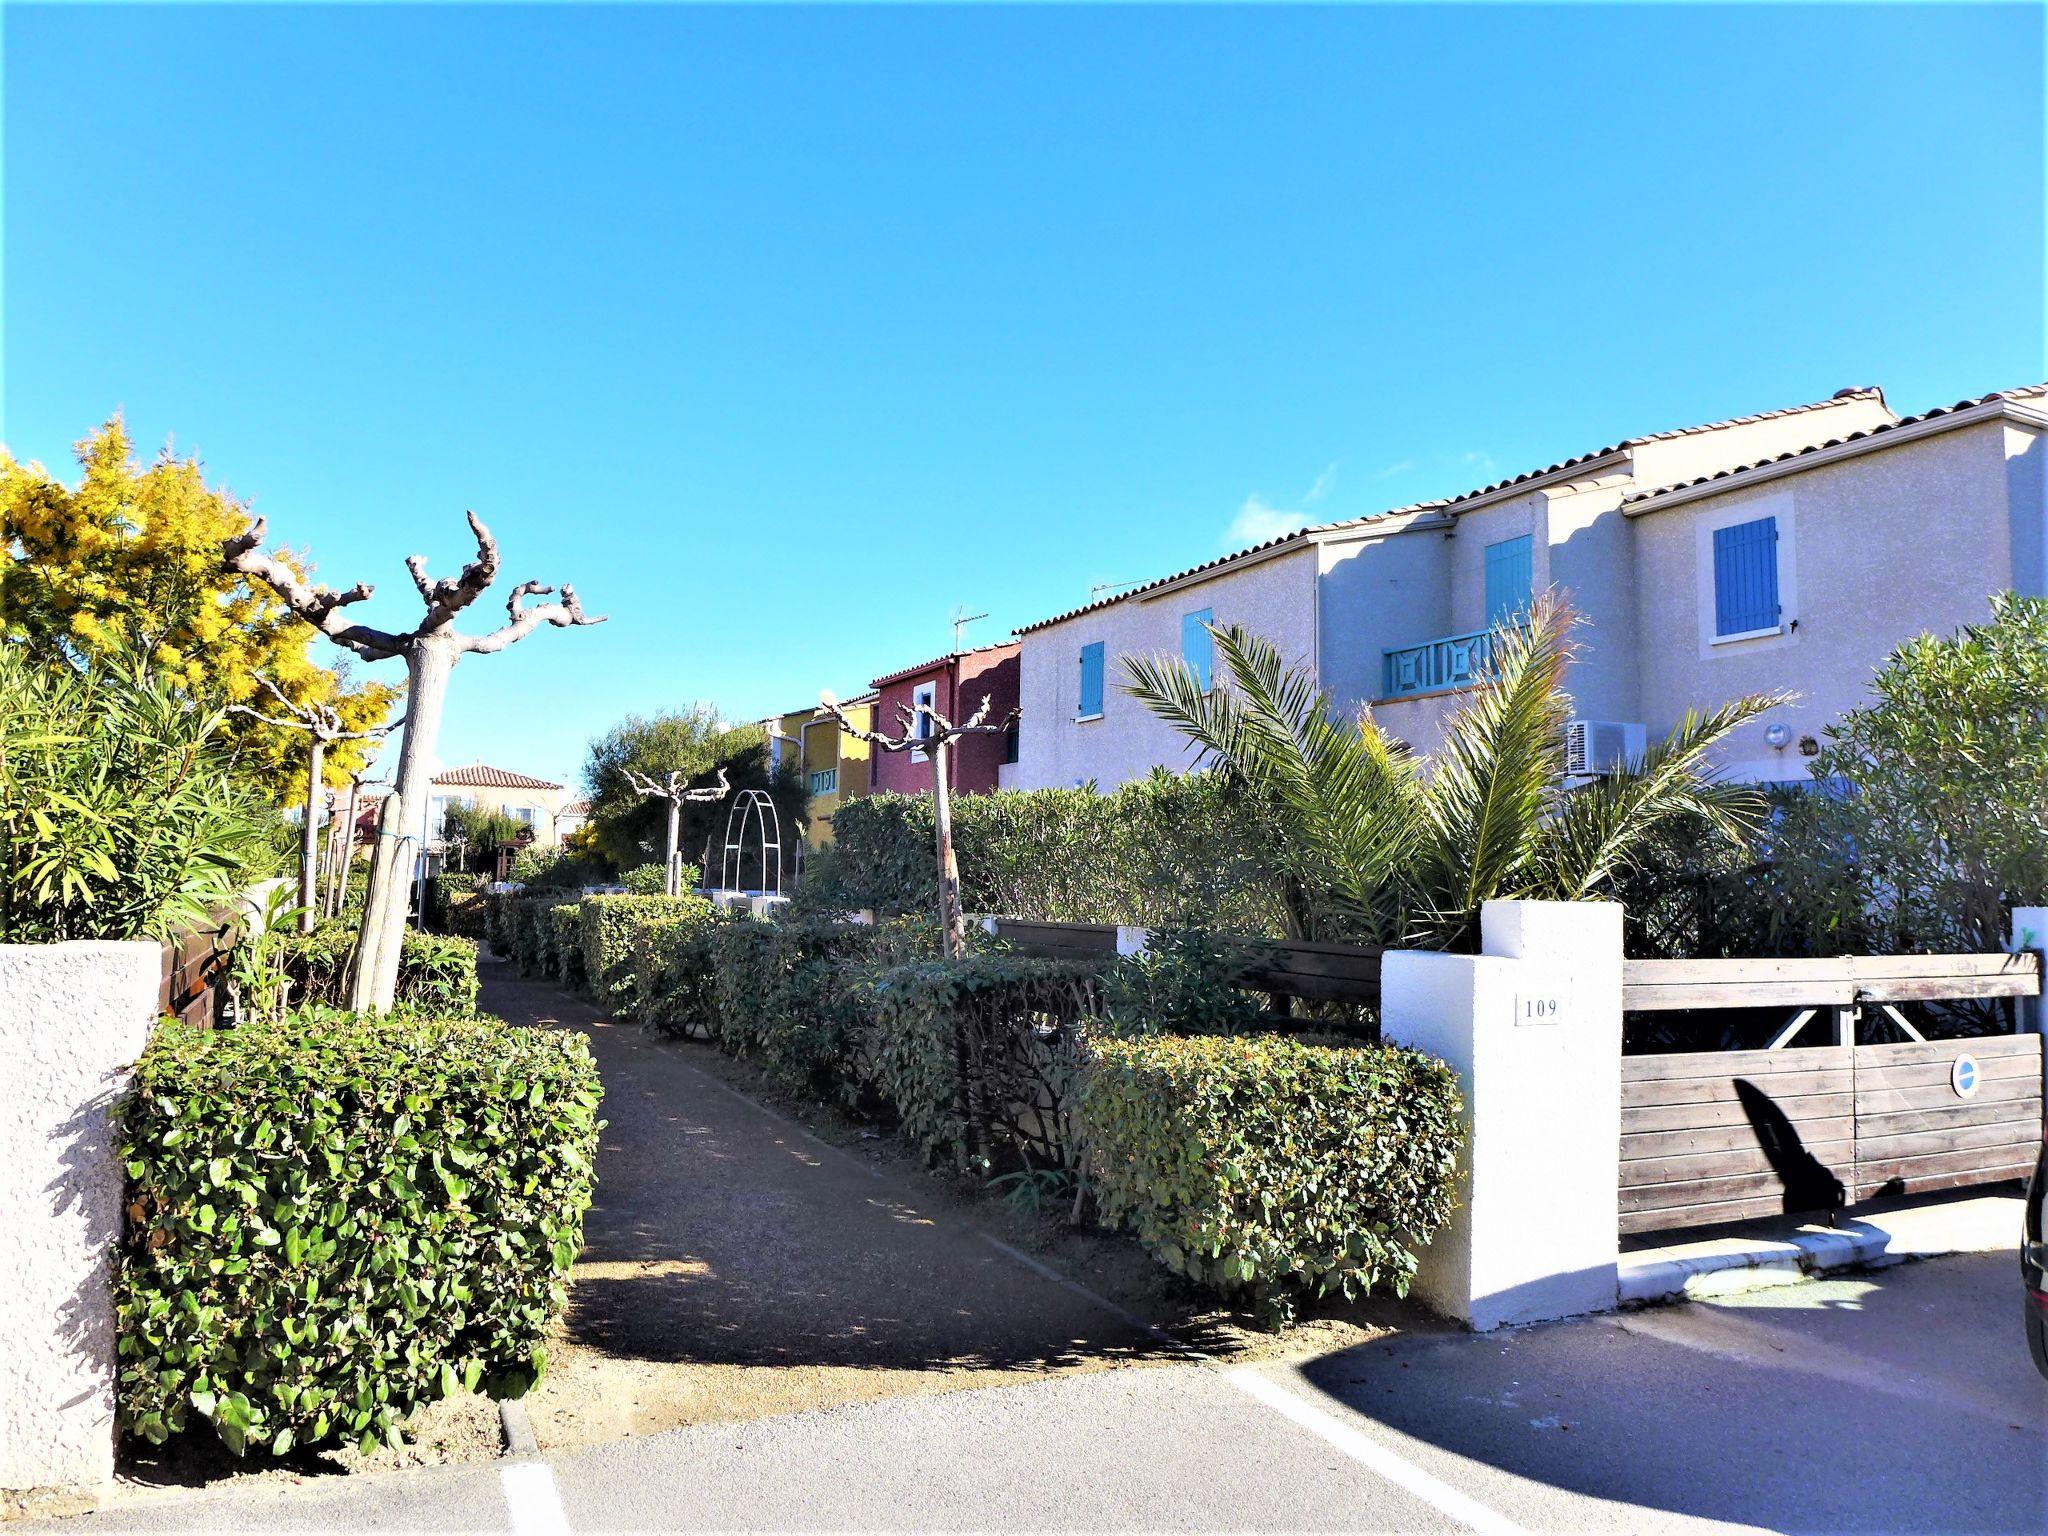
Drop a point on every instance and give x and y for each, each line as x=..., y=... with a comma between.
x=834, y=764
x=536, y=802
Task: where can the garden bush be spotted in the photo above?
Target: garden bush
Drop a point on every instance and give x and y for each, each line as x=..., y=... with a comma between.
x=652, y=880
x=566, y=945
x=1269, y=1166
x=975, y=1055
x=793, y=994
x=1185, y=982
x=335, y=1220
x=532, y=931
x=1170, y=850
x=453, y=905
x=436, y=971
x=672, y=967
x=608, y=925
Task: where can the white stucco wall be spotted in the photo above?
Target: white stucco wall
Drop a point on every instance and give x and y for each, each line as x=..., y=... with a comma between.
x=1531, y=1024
x=73, y=1018
x=1873, y=550
x=1275, y=599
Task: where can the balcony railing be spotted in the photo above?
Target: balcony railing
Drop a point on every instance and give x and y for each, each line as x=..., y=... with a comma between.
x=825, y=782
x=1455, y=661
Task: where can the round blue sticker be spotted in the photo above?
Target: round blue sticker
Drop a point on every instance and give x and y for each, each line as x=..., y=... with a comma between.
x=1963, y=1076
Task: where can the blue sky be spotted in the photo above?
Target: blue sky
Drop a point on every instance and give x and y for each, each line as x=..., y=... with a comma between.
x=782, y=332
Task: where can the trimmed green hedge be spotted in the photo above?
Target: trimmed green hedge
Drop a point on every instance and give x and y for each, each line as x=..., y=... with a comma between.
x=335, y=1220
x=1008, y=1023
x=793, y=994
x=436, y=971
x=532, y=931
x=609, y=926
x=1166, y=851
x=565, y=947
x=672, y=970
x=1272, y=1166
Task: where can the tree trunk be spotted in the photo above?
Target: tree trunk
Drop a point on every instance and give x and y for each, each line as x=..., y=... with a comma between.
x=309, y=841
x=672, y=869
x=952, y=922
x=345, y=856
x=428, y=661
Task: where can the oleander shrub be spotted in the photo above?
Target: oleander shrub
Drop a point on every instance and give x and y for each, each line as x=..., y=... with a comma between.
x=498, y=922
x=1272, y=1167
x=976, y=1055
x=608, y=926
x=1185, y=982
x=566, y=946
x=436, y=971
x=1168, y=851
x=335, y=1220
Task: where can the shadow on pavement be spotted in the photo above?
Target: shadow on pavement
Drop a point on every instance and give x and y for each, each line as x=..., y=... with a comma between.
x=1896, y=1401
x=722, y=1235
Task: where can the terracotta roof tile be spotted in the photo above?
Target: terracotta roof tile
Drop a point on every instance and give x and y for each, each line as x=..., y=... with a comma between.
x=477, y=776
x=2028, y=392
x=1445, y=503
x=937, y=661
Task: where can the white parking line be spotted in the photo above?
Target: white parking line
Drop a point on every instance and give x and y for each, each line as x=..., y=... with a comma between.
x=1397, y=1470
x=532, y=1500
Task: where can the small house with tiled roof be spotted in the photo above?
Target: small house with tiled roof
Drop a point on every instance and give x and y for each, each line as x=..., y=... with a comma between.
x=952, y=685
x=536, y=802
x=1391, y=612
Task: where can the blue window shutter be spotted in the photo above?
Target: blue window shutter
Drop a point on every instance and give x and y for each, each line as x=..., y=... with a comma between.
x=1510, y=579
x=1746, y=577
x=1091, y=679
x=1197, y=645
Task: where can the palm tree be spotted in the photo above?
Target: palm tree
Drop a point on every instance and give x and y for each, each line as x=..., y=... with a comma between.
x=1380, y=847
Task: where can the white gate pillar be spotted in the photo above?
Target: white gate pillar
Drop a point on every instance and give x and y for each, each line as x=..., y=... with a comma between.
x=2030, y=936
x=1532, y=1025
x=73, y=1018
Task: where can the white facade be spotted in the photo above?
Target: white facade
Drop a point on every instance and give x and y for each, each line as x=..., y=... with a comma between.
x=1882, y=529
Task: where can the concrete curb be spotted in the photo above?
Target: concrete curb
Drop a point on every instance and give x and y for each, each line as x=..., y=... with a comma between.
x=517, y=1428
x=1730, y=1266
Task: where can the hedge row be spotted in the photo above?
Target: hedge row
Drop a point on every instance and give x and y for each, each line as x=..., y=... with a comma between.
x=436, y=971
x=1167, y=851
x=336, y=1219
x=1272, y=1166
x=1249, y=1163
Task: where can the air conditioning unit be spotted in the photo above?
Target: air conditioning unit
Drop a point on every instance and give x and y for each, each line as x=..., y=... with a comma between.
x=1597, y=747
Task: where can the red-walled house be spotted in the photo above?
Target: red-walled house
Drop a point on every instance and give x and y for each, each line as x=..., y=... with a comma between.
x=953, y=685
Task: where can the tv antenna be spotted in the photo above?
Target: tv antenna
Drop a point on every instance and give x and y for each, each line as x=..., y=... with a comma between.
x=961, y=619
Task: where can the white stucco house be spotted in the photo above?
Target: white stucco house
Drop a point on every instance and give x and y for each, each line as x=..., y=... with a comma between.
x=1788, y=550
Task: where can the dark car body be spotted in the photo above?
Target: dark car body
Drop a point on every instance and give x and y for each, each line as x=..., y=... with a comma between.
x=2034, y=1259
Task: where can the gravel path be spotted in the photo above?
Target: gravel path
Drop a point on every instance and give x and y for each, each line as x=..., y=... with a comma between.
x=734, y=1267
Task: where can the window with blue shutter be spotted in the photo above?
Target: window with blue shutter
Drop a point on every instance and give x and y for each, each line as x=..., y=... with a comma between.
x=1197, y=645
x=1091, y=680
x=1746, y=577
x=1510, y=579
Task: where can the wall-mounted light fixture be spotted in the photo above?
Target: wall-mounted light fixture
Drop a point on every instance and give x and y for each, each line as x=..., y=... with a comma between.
x=1779, y=735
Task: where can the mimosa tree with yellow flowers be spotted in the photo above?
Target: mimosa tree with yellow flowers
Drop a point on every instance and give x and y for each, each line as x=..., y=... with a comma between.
x=128, y=560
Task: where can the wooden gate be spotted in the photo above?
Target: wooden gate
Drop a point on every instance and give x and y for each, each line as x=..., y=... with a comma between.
x=1716, y=1136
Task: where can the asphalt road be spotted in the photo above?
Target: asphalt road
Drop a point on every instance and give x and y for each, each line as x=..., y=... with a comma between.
x=1895, y=1401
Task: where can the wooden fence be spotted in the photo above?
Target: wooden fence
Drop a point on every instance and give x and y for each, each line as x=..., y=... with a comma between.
x=1285, y=970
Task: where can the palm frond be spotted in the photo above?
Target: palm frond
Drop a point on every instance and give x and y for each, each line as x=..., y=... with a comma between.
x=1490, y=782
x=1601, y=828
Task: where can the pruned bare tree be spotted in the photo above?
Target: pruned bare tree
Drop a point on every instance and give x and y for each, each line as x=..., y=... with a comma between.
x=674, y=788
x=430, y=650
x=937, y=742
x=322, y=725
